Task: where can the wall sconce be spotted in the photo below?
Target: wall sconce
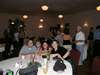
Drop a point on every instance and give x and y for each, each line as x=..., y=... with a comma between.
x=85, y=24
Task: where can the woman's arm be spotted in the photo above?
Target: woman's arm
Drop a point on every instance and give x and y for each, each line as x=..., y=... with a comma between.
x=66, y=54
x=54, y=55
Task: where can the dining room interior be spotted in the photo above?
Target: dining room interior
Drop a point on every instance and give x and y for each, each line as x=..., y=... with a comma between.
x=50, y=37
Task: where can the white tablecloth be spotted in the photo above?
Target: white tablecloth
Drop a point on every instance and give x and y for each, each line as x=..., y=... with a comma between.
x=68, y=70
x=12, y=64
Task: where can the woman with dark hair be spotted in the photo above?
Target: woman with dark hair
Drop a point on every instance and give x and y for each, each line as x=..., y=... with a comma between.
x=38, y=45
x=61, y=52
x=90, y=37
x=45, y=47
x=66, y=37
x=67, y=40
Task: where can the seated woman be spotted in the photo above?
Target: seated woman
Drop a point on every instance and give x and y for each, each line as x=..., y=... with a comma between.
x=45, y=48
x=38, y=45
x=67, y=40
x=28, y=48
x=61, y=52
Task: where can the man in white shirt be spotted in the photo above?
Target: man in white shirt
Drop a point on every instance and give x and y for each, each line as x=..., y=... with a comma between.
x=80, y=42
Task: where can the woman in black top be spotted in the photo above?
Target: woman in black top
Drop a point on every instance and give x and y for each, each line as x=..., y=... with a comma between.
x=59, y=51
x=63, y=53
x=67, y=37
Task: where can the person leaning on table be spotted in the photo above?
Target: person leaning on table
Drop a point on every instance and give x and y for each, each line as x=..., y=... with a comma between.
x=62, y=53
x=28, y=48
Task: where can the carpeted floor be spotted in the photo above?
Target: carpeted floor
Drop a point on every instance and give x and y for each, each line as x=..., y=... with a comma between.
x=84, y=69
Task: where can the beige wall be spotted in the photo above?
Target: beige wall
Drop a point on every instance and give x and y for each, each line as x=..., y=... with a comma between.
x=31, y=24
x=91, y=17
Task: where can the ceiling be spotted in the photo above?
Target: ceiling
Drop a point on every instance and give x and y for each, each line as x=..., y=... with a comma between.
x=55, y=6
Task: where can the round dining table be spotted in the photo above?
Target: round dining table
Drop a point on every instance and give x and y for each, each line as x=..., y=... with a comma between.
x=15, y=63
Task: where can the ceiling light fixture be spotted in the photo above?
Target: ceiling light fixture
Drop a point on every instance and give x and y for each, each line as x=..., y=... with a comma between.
x=98, y=8
x=60, y=16
x=44, y=7
x=12, y=23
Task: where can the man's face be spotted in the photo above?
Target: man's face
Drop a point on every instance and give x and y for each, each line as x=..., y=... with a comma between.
x=78, y=29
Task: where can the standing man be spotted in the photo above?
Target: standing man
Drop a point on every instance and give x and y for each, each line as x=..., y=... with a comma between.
x=96, y=51
x=80, y=42
x=16, y=43
x=9, y=41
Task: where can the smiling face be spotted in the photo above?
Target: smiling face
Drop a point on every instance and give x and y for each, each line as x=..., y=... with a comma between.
x=38, y=44
x=45, y=45
x=54, y=44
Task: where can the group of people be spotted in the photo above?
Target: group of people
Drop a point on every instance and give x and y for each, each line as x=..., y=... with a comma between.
x=13, y=42
x=43, y=47
x=61, y=45
x=68, y=42
x=94, y=41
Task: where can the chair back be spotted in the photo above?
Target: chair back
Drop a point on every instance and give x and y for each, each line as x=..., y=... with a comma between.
x=75, y=55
